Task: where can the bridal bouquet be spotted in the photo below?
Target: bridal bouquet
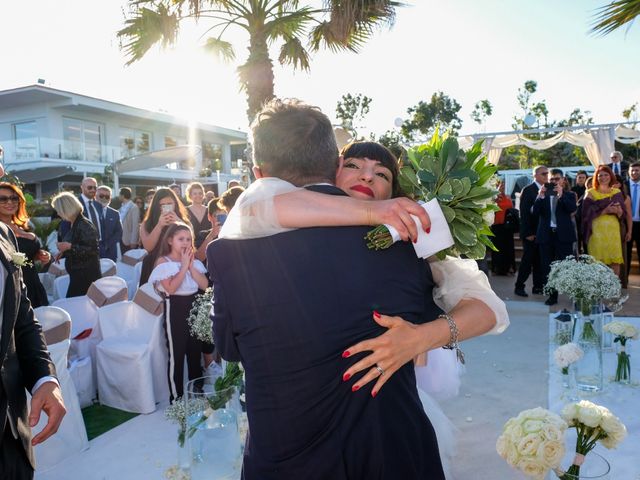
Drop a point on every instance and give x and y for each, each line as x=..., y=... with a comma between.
x=567, y=354
x=533, y=442
x=584, y=279
x=622, y=332
x=199, y=319
x=463, y=183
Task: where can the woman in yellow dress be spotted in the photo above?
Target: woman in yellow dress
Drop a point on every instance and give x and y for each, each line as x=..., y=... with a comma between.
x=602, y=211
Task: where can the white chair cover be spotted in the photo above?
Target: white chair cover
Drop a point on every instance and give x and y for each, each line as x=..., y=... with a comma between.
x=58, y=268
x=108, y=290
x=60, y=287
x=131, y=257
x=107, y=267
x=82, y=373
x=71, y=437
x=46, y=279
x=131, y=346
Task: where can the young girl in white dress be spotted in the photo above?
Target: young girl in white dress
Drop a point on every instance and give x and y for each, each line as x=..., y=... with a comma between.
x=179, y=276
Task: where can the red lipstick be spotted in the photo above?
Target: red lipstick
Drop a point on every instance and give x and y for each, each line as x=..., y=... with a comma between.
x=363, y=189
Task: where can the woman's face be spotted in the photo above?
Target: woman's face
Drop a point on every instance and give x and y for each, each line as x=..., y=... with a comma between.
x=9, y=202
x=196, y=195
x=365, y=179
x=604, y=178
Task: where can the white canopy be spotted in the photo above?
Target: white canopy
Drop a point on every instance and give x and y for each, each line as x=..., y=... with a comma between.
x=597, y=140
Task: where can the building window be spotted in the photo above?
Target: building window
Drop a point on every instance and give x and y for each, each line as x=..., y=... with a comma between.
x=83, y=140
x=134, y=142
x=211, y=156
x=26, y=136
x=169, y=142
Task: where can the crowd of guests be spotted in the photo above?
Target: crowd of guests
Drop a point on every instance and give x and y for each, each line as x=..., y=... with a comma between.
x=598, y=215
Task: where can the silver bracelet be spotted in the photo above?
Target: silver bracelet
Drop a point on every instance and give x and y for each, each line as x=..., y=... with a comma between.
x=453, y=337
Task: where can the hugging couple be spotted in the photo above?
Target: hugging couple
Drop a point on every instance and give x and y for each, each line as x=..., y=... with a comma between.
x=326, y=329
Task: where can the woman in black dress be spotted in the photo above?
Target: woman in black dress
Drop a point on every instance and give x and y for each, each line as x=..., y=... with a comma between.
x=80, y=245
x=197, y=209
x=13, y=212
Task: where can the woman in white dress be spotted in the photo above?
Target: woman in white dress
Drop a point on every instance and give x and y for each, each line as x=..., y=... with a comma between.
x=368, y=171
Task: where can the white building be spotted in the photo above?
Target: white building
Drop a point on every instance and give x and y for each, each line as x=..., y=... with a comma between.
x=53, y=138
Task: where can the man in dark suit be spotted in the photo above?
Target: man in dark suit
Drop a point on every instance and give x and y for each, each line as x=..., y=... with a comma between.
x=24, y=363
x=92, y=209
x=530, y=261
x=556, y=233
x=632, y=189
x=618, y=165
x=288, y=305
x=111, y=225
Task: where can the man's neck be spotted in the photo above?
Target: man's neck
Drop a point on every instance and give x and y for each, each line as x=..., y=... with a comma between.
x=85, y=198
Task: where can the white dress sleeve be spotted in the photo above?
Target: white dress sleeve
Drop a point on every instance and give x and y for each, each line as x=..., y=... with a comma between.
x=254, y=215
x=458, y=278
x=164, y=271
x=199, y=266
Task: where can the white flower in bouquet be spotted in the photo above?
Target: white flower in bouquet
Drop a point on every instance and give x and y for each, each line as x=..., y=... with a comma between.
x=622, y=329
x=583, y=278
x=20, y=259
x=199, y=319
x=567, y=354
x=532, y=442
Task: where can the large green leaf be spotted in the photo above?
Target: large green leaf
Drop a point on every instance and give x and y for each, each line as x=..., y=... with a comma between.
x=448, y=154
x=463, y=232
x=476, y=252
x=456, y=186
x=449, y=213
x=480, y=192
x=465, y=173
x=426, y=176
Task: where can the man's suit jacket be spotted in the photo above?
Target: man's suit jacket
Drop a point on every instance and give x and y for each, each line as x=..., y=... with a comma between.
x=111, y=234
x=287, y=306
x=624, y=169
x=23, y=352
x=528, y=220
x=565, y=230
x=131, y=226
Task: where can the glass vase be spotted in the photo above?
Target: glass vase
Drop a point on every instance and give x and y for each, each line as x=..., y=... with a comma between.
x=595, y=466
x=588, y=335
x=212, y=431
x=184, y=461
x=623, y=367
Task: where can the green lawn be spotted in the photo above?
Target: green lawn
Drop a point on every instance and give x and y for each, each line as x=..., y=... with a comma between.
x=99, y=419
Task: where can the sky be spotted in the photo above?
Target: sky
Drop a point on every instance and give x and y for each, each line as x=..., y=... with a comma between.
x=469, y=49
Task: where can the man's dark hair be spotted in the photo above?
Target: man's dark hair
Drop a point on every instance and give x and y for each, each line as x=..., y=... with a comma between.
x=582, y=172
x=212, y=206
x=557, y=171
x=635, y=164
x=294, y=141
x=125, y=192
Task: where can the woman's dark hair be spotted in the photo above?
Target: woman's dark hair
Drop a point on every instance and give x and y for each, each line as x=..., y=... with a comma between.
x=20, y=218
x=376, y=151
x=212, y=206
x=153, y=212
x=228, y=199
x=172, y=229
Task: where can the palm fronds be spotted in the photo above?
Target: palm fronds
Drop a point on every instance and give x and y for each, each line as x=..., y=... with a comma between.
x=615, y=15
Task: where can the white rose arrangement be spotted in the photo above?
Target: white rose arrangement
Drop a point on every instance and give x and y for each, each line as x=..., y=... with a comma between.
x=19, y=259
x=533, y=442
x=593, y=423
x=567, y=354
x=622, y=332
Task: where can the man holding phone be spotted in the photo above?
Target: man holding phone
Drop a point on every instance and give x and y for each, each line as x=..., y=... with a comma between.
x=556, y=233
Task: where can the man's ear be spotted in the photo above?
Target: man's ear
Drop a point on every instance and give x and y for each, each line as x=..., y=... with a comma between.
x=257, y=171
x=340, y=165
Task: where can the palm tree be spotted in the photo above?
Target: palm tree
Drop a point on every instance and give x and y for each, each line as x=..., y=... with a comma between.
x=333, y=24
x=616, y=14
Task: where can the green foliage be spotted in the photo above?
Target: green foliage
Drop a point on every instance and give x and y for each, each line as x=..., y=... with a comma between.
x=44, y=229
x=440, y=113
x=350, y=109
x=393, y=141
x=614, y=15
x=481, y=111
x=464, y=185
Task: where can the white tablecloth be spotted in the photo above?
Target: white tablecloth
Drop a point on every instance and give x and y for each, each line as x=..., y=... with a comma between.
x=622, y=400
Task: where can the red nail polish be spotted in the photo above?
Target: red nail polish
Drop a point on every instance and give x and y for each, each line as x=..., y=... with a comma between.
x=346, y=354
x=376, y=314
x=374, y=393
x=415, y=241
x=355, y=388
x=346, y=377
x=429, y=230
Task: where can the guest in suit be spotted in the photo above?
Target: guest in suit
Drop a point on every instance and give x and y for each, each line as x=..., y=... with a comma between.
x=91, y=208
x=80, y=246
x=24, y=364
x=130, y=220
x=530, y=261
x=619, y=166
x=556, y=232
x=111, y=226
x=633, y=192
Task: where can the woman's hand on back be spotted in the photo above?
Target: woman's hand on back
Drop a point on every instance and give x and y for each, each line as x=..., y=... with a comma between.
x=397, y=213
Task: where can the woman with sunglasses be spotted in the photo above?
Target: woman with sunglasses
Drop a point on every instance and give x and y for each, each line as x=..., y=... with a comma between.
x=13, y=212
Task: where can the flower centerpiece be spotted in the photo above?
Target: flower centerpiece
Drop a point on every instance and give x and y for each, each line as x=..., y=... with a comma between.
x=533, y=442
x=622, y=332
x=199, y=319
x=565, y=355
x=464, y=185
